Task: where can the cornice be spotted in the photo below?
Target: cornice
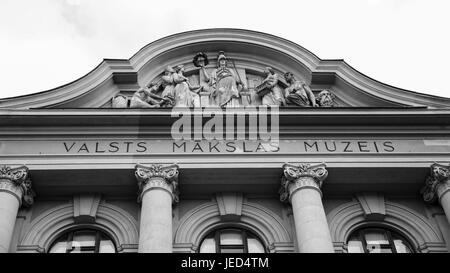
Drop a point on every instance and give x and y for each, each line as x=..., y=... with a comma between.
x=314, y=117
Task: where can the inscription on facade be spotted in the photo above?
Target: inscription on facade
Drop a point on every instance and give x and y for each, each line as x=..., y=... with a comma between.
x=167, y=146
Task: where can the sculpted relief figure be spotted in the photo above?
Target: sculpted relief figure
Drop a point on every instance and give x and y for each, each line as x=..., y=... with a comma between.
x=184, y=95
x=146, y=98
x=326, y=99
x=168, y=85
x=223, y=88
x=298, y=92
x=201, y=60
x=225, y=84
x=271, y=93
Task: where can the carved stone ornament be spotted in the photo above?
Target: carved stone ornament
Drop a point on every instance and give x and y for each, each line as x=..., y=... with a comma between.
x=15, y=179
x=301, y=175
x=156, y=173
x=326, y=99
x=226, y=85
x=439, y=176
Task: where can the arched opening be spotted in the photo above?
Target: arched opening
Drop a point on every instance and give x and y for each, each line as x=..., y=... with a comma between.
x=231, y=240
x=83, y=240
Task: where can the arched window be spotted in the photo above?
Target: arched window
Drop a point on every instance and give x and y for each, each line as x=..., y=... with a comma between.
x=83, y=241
x=377, y=240
x=231, y=240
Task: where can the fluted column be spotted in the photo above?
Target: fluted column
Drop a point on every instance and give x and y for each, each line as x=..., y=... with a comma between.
x=300, y=185
x=158, y=190
x=15, y=190
x=437, y=187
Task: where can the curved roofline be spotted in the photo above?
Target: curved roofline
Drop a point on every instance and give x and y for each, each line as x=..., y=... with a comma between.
x=106, y=67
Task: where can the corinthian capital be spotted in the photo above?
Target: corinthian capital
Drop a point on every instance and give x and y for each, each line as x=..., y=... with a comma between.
x=17, y=182
x=436, y=183
x=155, y=175
x=297, y=177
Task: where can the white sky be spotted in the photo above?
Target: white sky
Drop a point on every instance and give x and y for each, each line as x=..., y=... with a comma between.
x=48, y=43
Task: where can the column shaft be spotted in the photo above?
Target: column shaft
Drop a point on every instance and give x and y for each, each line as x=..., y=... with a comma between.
x=301, y=186
x=15, y=190
x=158, y=190
x=9, y=206
x=443, y=192
x=156, y=222
x=311, y=226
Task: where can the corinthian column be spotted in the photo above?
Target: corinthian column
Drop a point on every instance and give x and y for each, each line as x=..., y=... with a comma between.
x=158, y=190
x=15, y=190
x=300, y=185
x=437, y=187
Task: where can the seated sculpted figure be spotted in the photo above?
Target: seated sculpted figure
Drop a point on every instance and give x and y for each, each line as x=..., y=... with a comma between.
x=274, y=97
x=146, y=98
x=298, y=92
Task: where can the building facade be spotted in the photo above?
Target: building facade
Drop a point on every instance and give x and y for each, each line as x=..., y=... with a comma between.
x=225, y=140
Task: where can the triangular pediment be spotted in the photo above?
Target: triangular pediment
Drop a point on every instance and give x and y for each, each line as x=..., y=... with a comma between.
x=113, y=83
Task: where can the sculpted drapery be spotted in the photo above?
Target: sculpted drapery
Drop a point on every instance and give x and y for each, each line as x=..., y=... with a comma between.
x=225, y=84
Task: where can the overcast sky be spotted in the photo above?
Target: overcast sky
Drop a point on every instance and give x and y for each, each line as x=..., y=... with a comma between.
x=48, y=43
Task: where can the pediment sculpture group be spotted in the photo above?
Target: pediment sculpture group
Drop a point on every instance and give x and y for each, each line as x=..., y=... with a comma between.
x=223, y=87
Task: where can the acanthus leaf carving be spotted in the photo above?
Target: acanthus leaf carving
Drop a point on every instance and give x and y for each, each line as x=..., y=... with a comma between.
x=439, y=176
x=169, y=174
x=296, y=174
x=19, y=178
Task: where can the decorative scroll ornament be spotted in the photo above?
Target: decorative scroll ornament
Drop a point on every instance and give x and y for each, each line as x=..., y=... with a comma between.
x=293, y=174
x=169, y=174
x=18, y=177
x=439, y=175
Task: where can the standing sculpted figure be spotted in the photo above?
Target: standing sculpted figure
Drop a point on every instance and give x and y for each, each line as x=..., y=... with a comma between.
x=274, y=96
x=168, y=86
x=184, y=95
x=225, y=84
x=201, y=61
x=298, y=92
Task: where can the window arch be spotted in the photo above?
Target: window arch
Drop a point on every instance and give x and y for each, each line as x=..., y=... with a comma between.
x=413, y=226
x=120, y=226
x=231, y=240
x=84, y=240
x=198, y=223
x=377, y=240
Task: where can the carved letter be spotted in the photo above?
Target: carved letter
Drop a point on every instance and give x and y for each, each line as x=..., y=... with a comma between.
x=179, y=146
x=142, y=145
x=346, y=147
x=114, y=146
x=388, y=146
x=310, y=146
x=232, y=147
x=83, y=148
x=70, y=148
